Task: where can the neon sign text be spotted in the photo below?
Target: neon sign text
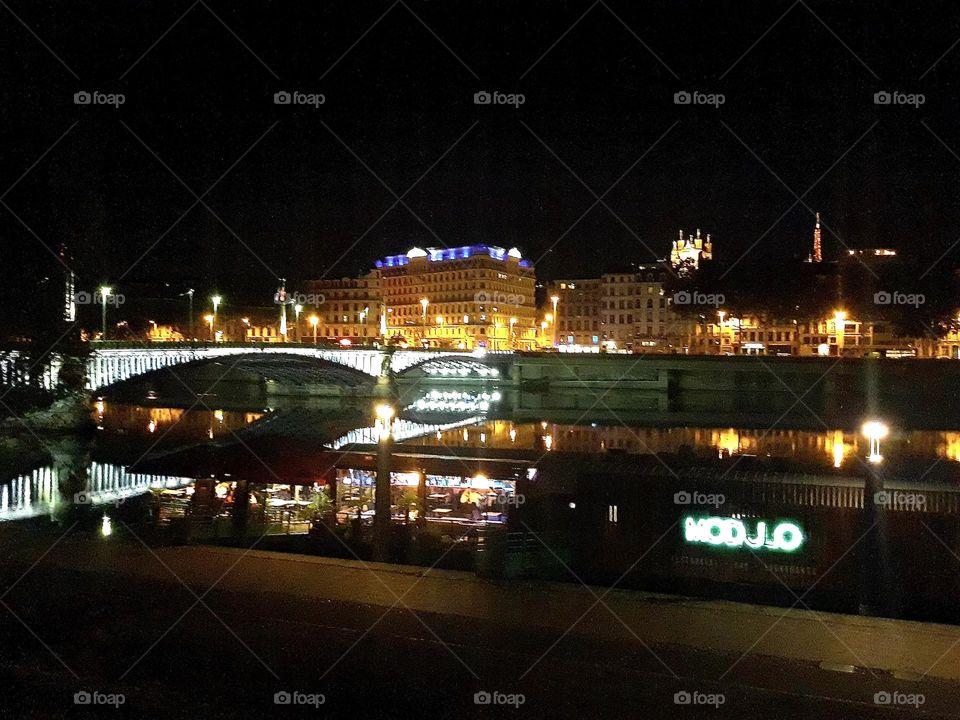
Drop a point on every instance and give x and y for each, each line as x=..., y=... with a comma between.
x=785, y=536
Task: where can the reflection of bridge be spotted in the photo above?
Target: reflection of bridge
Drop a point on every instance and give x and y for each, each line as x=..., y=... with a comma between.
x=293, y=363
x=39, y=493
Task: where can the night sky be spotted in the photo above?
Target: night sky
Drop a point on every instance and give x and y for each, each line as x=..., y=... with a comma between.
x=299, y=190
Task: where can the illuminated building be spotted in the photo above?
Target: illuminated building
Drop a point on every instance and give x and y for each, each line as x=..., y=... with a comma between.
x=464, y=297
x=686, y=254
x=347, y=308
x=623, y=311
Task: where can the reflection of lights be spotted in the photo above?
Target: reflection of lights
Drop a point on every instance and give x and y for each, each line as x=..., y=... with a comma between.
x=951, y=450
x=151, y=426
x=548, y=442
x=823, y=349
x=466, y=435
x=728, y=441
x=218, y=415
x=875, y=431
x=106, y=527
x=513, y=434
x=100, y=406
x=483, y=437
x=838, y=448
x=345, y=342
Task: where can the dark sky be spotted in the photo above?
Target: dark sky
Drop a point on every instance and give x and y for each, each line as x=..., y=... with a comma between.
x=599, y=81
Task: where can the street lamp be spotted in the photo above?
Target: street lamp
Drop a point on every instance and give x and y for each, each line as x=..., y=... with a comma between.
x=384, y=423
x=104, y=294
x=722, y=314
x=297, y=309
x=423, y=303
x=314, y=320
x=189, y=294
x=216, y=300
x=875, y=431
x=555, y=299
x=210, y=318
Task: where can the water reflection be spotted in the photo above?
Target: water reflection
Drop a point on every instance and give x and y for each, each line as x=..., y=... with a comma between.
x=468, y=469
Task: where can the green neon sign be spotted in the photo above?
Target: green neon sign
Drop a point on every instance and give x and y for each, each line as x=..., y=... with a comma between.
x=785, y=536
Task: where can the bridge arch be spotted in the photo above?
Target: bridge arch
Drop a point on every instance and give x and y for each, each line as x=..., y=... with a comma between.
x=108, y=365
x=286, y=365
x=452, y=366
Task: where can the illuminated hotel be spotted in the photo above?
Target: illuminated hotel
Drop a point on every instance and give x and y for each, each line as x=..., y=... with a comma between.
x=457, y=298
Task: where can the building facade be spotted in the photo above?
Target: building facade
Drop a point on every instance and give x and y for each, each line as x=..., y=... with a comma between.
x=343, y=309
x=617, y=311
x=457, y=298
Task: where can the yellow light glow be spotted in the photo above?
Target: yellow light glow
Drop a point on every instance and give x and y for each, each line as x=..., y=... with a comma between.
x=384, y=411
x=875, y=430
x=314, y=320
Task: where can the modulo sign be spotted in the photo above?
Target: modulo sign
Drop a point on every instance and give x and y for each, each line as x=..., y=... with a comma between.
x=783, y=536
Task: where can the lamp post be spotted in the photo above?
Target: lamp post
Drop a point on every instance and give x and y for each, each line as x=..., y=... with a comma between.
x=104, y=294
x=363, y=320
x=513, y=343
x=423, y=303
x=189, y=294
x=211, y=319
x=216, y=300
x=297, y=309
x=556, y=318
x=314, y=320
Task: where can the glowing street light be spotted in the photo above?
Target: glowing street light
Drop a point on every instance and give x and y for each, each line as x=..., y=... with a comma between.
x=384, y=413
x=555, y=299
x=875, y=431
x=189, y=294
x=423, y=303
x=210, y=318
x=314, y=320
x=297, y=309
x=216, y=300
x=104, y=294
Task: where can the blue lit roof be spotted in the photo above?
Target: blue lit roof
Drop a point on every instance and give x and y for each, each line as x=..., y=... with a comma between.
x=445, y=254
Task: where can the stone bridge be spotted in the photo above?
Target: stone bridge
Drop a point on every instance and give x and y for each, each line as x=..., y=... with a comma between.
x=296, y=363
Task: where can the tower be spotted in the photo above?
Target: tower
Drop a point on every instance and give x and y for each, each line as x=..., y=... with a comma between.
x=688, y=253
x=817, y=248
x=69, y=287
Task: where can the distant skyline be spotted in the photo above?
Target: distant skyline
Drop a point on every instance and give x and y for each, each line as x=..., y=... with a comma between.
x=304, y=192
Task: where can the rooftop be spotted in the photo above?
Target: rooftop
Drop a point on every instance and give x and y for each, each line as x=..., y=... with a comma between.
x=459, y=253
